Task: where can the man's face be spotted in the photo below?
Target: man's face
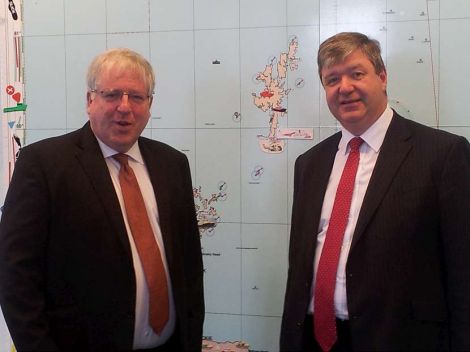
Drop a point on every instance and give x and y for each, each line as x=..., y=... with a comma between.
x=355, y=93
x=118, y=122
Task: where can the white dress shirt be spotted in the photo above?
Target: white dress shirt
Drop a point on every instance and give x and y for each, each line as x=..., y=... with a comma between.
x=144, y=336
x=369, y=151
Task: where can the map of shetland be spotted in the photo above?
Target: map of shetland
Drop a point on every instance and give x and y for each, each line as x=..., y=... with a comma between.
x=236, y=83
x=272, y=97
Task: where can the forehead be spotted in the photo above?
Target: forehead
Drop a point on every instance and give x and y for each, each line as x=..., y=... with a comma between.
x=356, y=59
x=115, y=74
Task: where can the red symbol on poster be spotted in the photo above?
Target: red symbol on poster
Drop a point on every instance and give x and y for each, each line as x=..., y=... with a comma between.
x=17, y=97
x=10, y=90
x=266, y=94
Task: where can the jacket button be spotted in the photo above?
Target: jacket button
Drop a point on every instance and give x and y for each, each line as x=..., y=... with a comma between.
x=299, y=324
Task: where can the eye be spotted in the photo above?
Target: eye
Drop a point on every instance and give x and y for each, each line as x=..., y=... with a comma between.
x=111, y=95
x=137, y=98
x=358, y=74
x=330, y=80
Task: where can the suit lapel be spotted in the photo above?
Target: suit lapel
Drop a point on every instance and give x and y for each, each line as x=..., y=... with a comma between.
x=320, y=174
x=93, y=164
x=393, y=152
x=312, y=182
x=161, y=186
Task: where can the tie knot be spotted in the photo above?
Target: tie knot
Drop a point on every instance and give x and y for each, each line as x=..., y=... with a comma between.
x=121, y=158
x=355, y=143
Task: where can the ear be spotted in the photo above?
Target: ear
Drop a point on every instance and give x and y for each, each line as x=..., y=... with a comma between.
x=88, y=98
x=383, y=78
x=321, y=78
x=150, y=101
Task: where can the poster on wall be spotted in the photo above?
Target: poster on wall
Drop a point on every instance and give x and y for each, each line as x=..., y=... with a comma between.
x=238, y=92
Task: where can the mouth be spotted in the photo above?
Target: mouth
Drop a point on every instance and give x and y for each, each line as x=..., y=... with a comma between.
x=349, y=101
x=123, y=123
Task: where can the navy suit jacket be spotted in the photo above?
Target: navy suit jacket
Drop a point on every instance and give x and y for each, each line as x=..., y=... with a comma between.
x=408, y=269
x=66, y=273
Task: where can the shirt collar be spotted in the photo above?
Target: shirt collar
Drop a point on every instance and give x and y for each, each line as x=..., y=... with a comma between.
x=373, y=136
x=134, y=152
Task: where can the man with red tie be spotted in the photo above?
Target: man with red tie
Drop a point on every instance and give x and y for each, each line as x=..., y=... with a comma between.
x=99, y=244
x=379, y=256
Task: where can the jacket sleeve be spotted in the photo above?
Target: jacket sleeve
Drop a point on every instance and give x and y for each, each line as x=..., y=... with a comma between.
x=193, y=268
x=23, y=247
x=454, y=202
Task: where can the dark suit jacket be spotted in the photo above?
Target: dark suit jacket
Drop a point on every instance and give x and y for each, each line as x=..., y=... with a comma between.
x=66, y=273
x=408, y=270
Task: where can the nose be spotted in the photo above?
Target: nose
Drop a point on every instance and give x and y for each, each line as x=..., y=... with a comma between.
x=124, y=105
x=345, y=85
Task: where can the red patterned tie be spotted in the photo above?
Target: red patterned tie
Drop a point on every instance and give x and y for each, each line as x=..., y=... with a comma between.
x=324, y=314
x=147, y=247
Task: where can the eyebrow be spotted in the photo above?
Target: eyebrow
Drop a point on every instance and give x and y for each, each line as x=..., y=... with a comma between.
x=357, y=66
x=352, y=68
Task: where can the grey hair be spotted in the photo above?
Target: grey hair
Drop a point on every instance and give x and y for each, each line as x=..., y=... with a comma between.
x=121, y=59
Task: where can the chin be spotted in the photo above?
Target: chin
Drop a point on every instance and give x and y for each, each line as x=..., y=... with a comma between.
x=118, y=146
x=351, y=116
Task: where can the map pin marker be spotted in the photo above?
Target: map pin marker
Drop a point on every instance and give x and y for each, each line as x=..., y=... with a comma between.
x=17, y=97
x=10, y=90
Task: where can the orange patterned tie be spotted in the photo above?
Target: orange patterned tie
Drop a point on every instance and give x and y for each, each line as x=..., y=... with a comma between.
x=147, y=247
x=324, y=314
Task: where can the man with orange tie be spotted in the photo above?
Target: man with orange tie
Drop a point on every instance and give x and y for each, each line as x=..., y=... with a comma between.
x=99, y=244
x=379, y=256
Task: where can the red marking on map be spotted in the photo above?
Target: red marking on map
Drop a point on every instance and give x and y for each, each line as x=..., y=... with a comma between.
x=10, y=90
x=17, y=97
x=279, y=109
x=266, y=94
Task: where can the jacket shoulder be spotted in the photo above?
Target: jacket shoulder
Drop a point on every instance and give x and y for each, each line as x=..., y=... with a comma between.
x=324, y=147
x=423, y=132
x=159, y=148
